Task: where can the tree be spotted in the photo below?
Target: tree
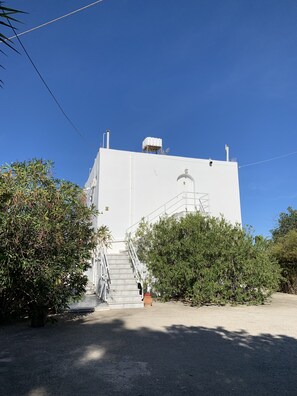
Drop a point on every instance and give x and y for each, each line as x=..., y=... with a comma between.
x=46, y=239
x=207, y=261
x=284, y=249
x=287, y=221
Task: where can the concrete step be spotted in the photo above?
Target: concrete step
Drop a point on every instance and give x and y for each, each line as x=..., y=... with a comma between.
x=103, y=306
x=119, y=266
x=123, y=299
x=124, y=286
x=119, y=271
x=117, y=257
x=116, y=262
x=122, y=275
x=126, y=305
x=124, y=293
x=123, y=281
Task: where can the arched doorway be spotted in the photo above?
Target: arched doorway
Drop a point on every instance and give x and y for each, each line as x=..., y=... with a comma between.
x=187, y=188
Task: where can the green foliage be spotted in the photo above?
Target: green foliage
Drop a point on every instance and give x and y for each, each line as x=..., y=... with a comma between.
x=284, y=249
x=103, y=236
x=46, y=239
x=287, y=221
x=207, y=261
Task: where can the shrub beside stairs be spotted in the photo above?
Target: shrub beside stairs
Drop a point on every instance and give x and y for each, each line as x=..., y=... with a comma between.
x=124, y=292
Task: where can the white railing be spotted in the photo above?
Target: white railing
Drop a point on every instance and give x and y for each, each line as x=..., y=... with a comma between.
x=137, y=266
x=102, y=274
x=185, y=202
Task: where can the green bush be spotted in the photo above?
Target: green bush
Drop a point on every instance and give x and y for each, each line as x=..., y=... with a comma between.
x=46, y=238
x=207, y=261
x=284, y=249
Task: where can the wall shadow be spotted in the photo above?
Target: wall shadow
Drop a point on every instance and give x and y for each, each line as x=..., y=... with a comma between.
x=91, y=358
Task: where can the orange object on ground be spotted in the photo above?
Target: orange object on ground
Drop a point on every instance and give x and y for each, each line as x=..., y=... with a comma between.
x=147, y=300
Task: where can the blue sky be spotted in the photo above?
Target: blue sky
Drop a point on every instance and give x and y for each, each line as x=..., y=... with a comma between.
x=199, y=74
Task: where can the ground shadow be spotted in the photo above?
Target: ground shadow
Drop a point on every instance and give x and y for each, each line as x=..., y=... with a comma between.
x=82, y=357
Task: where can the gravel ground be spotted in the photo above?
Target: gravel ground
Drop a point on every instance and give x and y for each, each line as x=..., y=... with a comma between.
x=166, y=349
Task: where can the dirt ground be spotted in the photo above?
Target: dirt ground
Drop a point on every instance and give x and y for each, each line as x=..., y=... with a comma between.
x=167, y=349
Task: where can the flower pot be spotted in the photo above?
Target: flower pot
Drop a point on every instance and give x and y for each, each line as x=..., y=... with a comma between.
x=147, y=300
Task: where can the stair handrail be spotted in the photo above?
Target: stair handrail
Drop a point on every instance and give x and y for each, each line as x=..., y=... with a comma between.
x=104, y=278
x=136, y=264
x=182, y=197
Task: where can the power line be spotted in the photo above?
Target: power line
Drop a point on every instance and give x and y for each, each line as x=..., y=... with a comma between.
x=44, y=83
x=54, y=20
x=270, y=159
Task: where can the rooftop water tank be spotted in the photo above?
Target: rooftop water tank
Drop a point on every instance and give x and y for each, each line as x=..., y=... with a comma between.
x=152, y=145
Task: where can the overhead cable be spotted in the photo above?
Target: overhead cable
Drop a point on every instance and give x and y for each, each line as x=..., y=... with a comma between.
x=270, y=159
x=54, y=20
x=45, y=84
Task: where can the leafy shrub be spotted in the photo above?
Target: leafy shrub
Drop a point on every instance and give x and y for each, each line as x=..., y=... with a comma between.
x=284, y=250
x=46, y=240
x=287, y=221
x=207, y=261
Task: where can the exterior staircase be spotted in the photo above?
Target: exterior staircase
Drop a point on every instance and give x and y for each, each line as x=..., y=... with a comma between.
x=124, y=292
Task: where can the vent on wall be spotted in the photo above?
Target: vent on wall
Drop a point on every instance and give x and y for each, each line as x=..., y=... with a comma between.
x=152, y=145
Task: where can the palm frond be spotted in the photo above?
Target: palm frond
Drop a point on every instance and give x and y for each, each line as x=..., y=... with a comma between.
x=5, y=21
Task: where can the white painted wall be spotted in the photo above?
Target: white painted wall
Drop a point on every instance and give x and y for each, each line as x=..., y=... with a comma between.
x=131, y=185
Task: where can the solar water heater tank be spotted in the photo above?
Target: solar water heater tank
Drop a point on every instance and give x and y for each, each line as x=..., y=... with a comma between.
x=152, y=145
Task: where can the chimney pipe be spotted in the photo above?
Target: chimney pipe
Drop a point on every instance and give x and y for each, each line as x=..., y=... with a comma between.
x=107, y=138
x=227, y=152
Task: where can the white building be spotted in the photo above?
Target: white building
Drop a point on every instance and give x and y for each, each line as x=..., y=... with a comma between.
x=127, y=186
